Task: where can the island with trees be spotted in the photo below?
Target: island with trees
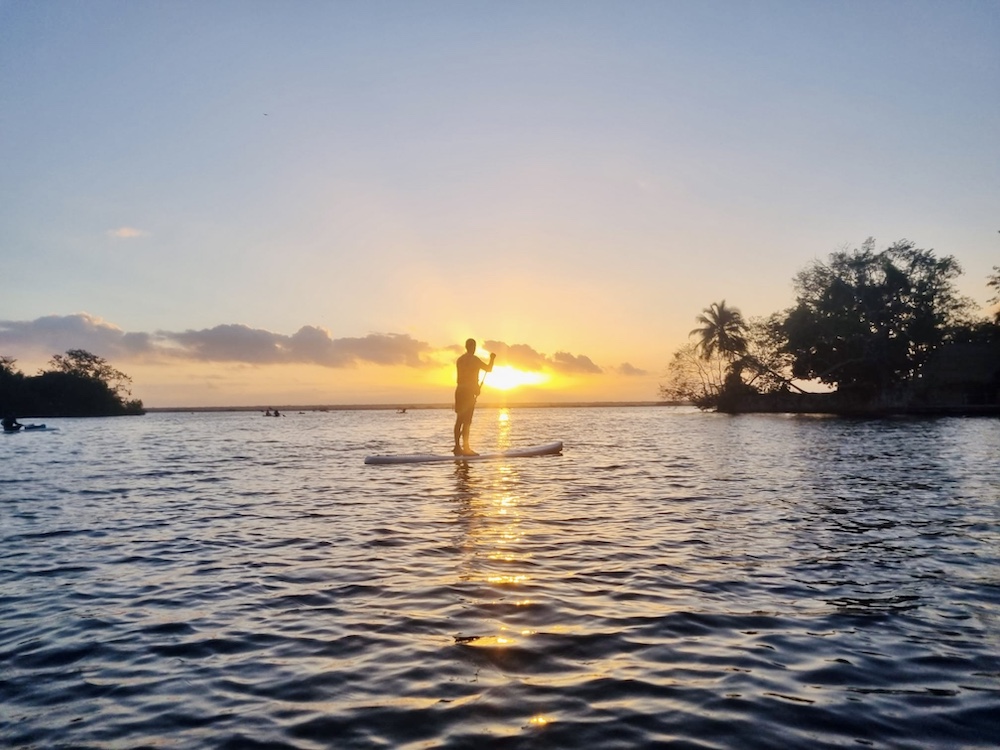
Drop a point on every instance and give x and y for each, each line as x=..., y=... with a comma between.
x=75, y=384
x=873, y=332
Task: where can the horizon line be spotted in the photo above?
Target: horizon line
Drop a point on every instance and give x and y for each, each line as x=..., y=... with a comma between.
x=410, y=406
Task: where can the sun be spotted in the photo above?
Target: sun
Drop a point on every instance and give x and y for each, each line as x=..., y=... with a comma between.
x=504, y=377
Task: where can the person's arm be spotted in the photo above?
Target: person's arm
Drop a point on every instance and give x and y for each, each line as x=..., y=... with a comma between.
x=489, y=367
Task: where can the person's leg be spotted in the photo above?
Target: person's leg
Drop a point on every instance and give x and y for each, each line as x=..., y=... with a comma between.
x=466, y=428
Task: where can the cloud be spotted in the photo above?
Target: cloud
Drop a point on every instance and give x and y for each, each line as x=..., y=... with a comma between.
x=575, y=364
x=384, y=349
x=226, y=343
x=127, y=233
x=524, y=357
x=630, y=370
x=237, y=343
x=54, y=334
x=521, y=356
x=309, y=345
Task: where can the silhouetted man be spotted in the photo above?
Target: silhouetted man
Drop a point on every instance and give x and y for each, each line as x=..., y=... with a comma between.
x=466, y=393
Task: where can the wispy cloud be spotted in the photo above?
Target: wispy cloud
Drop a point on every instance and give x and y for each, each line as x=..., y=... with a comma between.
x=524, y=357
x=58, y=333
x=309, y=345
x=127, y=233
x=237, y=343
x=574, y=364
x=630, y=370
x=521, y=356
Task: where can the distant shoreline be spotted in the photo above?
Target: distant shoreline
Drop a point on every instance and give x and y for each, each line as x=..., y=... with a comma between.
x=410, y=407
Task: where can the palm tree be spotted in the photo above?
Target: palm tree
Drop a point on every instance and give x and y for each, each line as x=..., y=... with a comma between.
x=722, y=331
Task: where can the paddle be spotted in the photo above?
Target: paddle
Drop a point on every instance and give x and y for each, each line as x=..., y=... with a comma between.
x=482, y=380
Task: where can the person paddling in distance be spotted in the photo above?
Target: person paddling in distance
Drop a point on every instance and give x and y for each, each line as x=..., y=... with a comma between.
x=468, y=367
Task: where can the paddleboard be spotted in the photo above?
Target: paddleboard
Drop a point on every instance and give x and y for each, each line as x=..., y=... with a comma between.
x=425, y=458
x=31, y=428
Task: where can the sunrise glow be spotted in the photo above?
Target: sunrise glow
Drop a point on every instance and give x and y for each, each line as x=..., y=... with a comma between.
x=386, y=199
x=504, y=378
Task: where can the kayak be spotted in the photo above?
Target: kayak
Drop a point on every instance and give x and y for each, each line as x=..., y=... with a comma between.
x=548, y=449
x=30, y=428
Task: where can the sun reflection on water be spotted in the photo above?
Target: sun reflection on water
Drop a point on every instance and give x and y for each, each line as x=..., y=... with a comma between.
x=506, y=579
x=503, y=428
x=495, y=543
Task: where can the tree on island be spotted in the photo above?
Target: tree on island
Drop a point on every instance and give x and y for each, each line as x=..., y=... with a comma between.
x=699, y=371
x=729, y=358
x=81, y=363
x=12, y=386
x=994, y=283
x=867, y=321
x=694, y=379
x=78, y=384
x=767, y=363
x=722, y=331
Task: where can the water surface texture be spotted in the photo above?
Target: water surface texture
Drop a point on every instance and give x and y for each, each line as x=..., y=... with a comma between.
x=674, y=579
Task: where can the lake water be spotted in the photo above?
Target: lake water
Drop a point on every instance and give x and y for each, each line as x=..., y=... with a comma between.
x=674, y=579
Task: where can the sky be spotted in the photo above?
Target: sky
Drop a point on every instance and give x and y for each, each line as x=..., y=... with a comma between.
x=305, y=202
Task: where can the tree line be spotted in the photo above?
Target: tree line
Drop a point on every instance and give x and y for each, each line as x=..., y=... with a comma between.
x=75, y=384
x=865, y=323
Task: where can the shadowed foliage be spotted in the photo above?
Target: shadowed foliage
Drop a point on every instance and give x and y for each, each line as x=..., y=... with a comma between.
x=722, y=331
x=887, y=330
x=77, y=384
x=866, y=321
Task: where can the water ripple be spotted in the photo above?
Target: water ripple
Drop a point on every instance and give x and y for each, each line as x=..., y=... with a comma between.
x=674, y=579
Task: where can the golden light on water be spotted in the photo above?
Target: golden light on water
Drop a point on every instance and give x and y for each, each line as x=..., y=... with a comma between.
x=498, y=550
x=489, y=641
x=506, y=579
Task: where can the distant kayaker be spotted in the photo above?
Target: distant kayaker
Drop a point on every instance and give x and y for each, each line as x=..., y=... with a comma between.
x=468, y=367
x=10, y=424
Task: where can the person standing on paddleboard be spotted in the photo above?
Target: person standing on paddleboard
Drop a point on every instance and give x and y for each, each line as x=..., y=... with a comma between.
x=468, y=367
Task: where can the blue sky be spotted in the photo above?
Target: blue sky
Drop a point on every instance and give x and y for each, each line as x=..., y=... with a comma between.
x=576, y=180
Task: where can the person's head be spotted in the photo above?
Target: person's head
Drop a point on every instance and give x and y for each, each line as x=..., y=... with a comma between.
x=470, y=346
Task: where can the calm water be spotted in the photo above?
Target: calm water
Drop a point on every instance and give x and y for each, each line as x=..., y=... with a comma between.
x=674, y=579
